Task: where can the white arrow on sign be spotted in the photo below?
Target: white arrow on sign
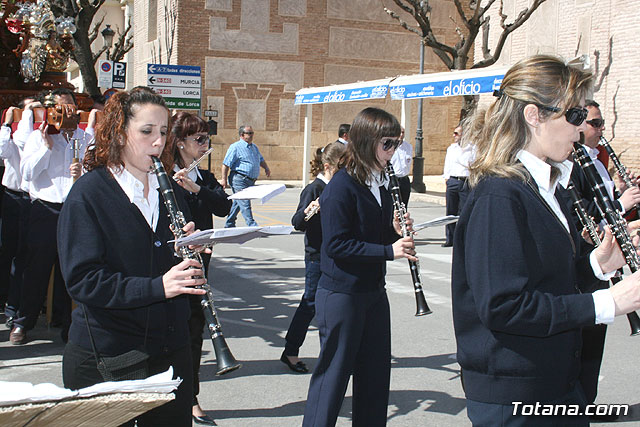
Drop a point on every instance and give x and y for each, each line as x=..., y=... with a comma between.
x=152, y=68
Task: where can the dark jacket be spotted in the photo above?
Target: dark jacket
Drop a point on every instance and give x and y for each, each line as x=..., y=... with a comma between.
x=517, y=310
x=211, y=199
x=357, y=234
x=312, y=228
x=113, y=263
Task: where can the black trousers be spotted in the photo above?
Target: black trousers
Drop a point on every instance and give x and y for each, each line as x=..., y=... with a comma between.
x=79, y=370
x=456, y=196
x=196, y=326
x=405, y=189
x=42, y=255
x=593, y=338
x=15, y=214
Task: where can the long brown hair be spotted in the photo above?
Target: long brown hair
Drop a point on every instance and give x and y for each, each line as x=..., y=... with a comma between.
x=331, y=154
x=111, y=130
x=369, y=126
x=502, y=131
x=184, y=124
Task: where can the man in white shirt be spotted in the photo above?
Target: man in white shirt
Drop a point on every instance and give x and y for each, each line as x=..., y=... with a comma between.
x=15, y=206
x=343, y=133
x=48, y=165
x=456, y=172
x=401, y=162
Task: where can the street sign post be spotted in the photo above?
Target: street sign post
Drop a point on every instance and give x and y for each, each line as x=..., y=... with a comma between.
x=112, y=74
x=179, y=85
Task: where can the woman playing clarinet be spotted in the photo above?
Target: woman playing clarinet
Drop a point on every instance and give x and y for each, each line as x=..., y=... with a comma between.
x=359, y=235
x=205, y=197
x=307, y=219
x=116, y=262
x=516, y=261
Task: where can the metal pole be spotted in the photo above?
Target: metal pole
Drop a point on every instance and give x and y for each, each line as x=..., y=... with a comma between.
x=418, y=160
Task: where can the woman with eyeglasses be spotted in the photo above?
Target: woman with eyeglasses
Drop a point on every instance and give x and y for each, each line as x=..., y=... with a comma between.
x=359, y=235
x=205, y=197
x=517, y=259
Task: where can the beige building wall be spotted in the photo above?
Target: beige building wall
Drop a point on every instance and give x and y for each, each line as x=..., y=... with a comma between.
x=255, y=54
x=598, y=29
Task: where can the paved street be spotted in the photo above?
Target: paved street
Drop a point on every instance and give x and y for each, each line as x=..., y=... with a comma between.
x=257, y=288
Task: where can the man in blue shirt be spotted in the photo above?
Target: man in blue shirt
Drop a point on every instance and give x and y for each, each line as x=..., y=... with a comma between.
x=242, y=166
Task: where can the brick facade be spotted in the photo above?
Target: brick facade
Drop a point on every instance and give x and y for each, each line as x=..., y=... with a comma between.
x=255, y=54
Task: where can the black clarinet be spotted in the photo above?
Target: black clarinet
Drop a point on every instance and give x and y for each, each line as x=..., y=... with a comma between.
x=592, y=229
x=225, y=360
x=394, y=187
x=620, y=168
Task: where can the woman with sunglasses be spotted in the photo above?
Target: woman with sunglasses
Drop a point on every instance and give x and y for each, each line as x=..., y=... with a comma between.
x=205, y=197
x=359, y=235
x=517, y=256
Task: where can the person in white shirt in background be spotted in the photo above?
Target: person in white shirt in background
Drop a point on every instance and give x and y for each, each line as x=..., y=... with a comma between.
x=401, y=162
x=456, y=171
x=47, y=164
x=343, y=133
x=15, y=205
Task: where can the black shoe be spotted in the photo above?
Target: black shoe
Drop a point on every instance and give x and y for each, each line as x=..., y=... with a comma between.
x=205, y=420
x=299, y=367
x=9, y=322
x=446, y=245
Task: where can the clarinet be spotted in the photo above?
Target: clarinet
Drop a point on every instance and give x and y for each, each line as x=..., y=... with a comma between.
x=606, y=207
x=421, y=303
x=592, y=229
x=620, y=168
x=225, y=360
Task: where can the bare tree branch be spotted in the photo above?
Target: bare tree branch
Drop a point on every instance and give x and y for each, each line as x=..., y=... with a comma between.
x=615, y=114
x=93, y=33
x=124, y=43
x=607, y=68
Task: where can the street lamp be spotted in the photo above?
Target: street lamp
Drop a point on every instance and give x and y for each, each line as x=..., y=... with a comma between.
x=418, y=160
x=107, y=35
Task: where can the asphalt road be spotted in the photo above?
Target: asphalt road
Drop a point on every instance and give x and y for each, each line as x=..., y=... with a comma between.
x=257, y=289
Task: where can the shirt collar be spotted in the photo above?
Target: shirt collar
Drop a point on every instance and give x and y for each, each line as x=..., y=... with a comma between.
x=131, y=185
x=593, y=152
x=375, y=180
x=541, y=171
x=322, y=178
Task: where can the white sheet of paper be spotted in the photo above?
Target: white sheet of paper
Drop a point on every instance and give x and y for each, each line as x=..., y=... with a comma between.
x=233, y=235
x=443, y=220
x=259, y=192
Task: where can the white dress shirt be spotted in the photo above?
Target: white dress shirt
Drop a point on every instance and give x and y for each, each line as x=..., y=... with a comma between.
x=47, y=170
x=541, y=173
x=375, y=182
x=604, y=174
x=11, y=147
x=134, y=189
x=401, y=160
x=458, y=159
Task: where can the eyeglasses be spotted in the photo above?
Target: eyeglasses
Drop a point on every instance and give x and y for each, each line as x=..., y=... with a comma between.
x=574, y=115
x=201, y=140
x=390, y=142
x=248, y=133
x=596, y=123
x=456, y=134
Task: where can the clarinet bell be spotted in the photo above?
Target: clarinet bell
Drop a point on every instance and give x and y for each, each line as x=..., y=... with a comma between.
x=421, y=305
x=225, y=360
x=634, y=323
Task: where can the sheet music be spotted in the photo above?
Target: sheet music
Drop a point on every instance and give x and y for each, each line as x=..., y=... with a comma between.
x=233, y=235
x=259, y=192
x=443, y=220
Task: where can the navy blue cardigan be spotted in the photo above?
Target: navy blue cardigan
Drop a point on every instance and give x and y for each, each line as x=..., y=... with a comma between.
x=357, y=234
x=112, y=263
x=517, y=310
x=211, y=199
x=312, y=228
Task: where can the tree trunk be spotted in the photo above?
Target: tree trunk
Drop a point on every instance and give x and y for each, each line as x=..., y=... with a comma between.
x=84, y=57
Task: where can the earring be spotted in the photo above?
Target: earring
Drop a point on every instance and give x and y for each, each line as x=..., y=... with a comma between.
x=181, y=147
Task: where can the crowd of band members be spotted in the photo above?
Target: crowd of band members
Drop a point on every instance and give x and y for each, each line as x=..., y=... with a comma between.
x=345, y=248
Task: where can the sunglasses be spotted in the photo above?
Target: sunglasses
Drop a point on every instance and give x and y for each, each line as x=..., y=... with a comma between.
x=248, y=133
x=574, y=115
x=390, y=142
x=201, y=140
x=596, y=123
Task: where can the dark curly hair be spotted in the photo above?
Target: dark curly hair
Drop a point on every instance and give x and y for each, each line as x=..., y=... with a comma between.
x=111, y=130
x=330, y=154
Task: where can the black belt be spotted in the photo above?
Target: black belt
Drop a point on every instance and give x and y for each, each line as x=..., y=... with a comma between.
x=459, y=178
x=16, y=193
x=245, y=175
x=56, y=206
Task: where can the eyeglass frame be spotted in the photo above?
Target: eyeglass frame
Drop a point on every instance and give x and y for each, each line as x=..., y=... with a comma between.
x=389, y=141
x=248, y=133
x=569, y=113
x=201, y=140
x=593, y=125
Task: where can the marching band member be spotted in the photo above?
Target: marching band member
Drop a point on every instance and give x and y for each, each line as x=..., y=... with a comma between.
x=323, y=166
x=359, y=234
x=205, y=196
x=516, y=260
